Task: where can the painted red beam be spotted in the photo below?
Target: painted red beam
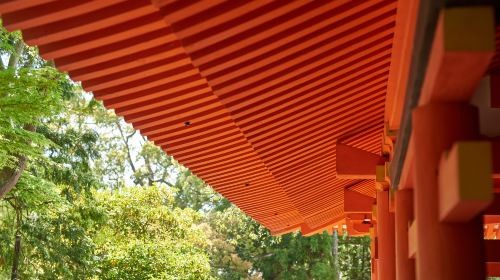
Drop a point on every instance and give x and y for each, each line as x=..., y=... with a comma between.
x=402, y=49
x=355, y=163
x=461, y=54
x=355, y=202
x=493, y=269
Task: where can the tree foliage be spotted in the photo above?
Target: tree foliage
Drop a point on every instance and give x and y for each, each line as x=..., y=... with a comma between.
x=146, y=237
x=354, y=257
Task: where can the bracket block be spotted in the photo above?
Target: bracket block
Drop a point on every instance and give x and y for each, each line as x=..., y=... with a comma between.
x=382, y=178
x=354, y=163
x=388, y=139
x=360, y=227
x=463, y=46
x=355, y=202
x=465, y=181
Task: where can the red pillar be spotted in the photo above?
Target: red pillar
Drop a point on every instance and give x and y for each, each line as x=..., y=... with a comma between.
x=445, y=251
x=405, y=267
x=385, y=230
x=374, y=251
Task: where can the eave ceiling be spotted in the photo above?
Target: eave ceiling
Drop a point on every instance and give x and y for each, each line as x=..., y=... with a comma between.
x=267, y=87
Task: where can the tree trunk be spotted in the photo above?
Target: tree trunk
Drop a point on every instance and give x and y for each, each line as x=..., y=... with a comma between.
x=17, y=254
x=125, y=139
x=14, y=57
x=335, y=253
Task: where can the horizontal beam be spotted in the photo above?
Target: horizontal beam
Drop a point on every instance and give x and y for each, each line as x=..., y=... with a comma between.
x=354, y=163
x=463, y=46
x=402, y=48
x=355, y=202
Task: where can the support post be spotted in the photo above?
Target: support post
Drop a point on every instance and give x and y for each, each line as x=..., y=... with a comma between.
x=386, y=243
x=405, y=266
x=445, y=251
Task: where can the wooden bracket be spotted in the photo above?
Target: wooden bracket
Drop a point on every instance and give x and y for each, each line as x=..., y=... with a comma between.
x=382, y=178
x=355, y=202
x=354, y=163
x=463, y=46
x=388, y=140
x=465, y=181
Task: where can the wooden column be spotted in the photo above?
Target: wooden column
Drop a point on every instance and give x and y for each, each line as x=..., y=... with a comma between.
x=374, y=250
x=405, y=267
x=386, y=243
x=445, y=251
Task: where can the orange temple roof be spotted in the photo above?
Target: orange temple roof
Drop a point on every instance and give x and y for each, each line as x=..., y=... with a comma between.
x=252, y=96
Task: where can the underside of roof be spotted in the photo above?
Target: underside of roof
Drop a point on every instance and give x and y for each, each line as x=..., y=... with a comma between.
x=251, y=96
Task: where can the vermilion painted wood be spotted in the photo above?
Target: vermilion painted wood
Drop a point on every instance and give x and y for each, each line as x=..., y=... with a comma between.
x=355, y=202
x=354, y=163
x=472, y=160
x=404, y=34
x=408, y=170
x=268, y=88
x=452, y=75
x=386, y=238
x=444, y=250
x=405, y=266
x=493, y=269
x=467, y=57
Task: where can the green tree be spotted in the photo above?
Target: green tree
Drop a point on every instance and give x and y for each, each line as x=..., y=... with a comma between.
x=44, y=233
x=30, y=91
x=146, y=237
x=354, y=257
x=293, y=256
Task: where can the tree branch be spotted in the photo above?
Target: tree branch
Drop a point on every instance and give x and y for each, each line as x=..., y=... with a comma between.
x=14, y=57
x=125, y=140
x=10, y=176
x=164, y=182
